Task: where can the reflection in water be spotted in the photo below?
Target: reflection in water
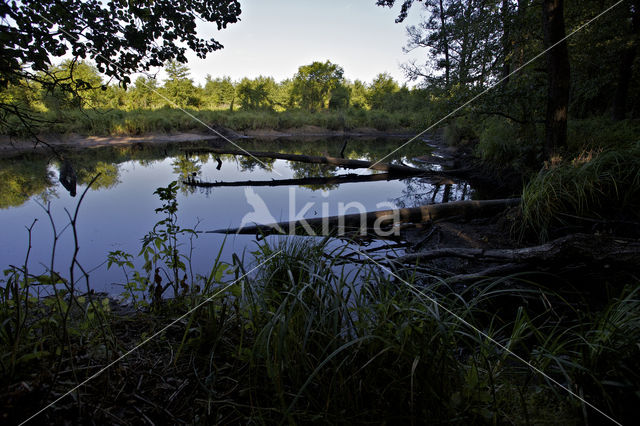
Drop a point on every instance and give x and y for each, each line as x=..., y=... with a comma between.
x=29, y=175
x=68, y=178
x=307, y=170
x=186, y=168
x=421, y=191
x=131, y=175
x=22, y=180
x=109, y=175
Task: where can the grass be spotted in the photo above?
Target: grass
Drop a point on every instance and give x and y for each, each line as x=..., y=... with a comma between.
x=306, y=338
x=596, y=185
x=135, y=122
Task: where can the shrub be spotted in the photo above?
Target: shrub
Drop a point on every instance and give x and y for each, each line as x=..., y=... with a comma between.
x=594, y=185
x=499, y=142
x=594, y=133
x=459, y=131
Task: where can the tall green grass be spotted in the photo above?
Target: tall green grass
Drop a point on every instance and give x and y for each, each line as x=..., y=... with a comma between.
x=307, y=338
x=164, y=120
x=595, y=185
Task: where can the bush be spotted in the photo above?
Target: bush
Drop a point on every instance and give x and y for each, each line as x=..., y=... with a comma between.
x=459, y=131
x=505, y=144
x=380, y=120
x=336, y=121
x=499, y=143
x=594, y=133
x=594, y=185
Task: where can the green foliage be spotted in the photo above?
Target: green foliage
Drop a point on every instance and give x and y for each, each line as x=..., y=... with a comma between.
x=460, y=131
x=358, y=95
x=179, y=88
x=78, y=85
x=596, y=185
x=160, y=247
x=340, y=97
x=602, y=133
x=136, y=38
x=313, y=83
x=219, y=93
x=256, y=94
x=505, y=144
x=309, y=335
x=381, y=92
x=144, y=94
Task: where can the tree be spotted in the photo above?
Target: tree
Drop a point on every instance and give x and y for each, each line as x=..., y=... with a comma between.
x=359, y=94
x=313, y=83
x=219, y=93
x=120, y=37
x=282, y=97
x=558, y=71
x=179, y=88
x=257, y=93
x=176, y=71
x=340, y=97
x=462, y=38
x=475, y=42
x=381, y=91
x=83, y=86
x=144, y=93
x=627, y=58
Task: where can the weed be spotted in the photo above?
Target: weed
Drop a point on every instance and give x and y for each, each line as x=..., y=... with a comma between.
x=605, y=187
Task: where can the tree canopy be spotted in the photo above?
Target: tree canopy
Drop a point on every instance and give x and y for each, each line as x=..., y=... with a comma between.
x=120, y=37
x=313, y=83
x=471, y=45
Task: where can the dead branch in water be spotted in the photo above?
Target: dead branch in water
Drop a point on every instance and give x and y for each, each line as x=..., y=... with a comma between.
x=382, y=219
x=320, y=181
x=576, y=247
x=332, y=161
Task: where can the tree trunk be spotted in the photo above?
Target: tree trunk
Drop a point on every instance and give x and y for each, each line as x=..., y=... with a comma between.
x=316, y=181
x=571, y=248
x=625, y=72
x=506, y=41
x=559, y=77
x=383, y=218
x=445, y=41
x=332, y=161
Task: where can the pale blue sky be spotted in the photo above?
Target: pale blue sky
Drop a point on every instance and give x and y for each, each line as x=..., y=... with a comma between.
x=275, y=37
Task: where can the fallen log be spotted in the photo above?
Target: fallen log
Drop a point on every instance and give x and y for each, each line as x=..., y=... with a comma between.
x=493, y=271
x=382, y=220
x=576, y=247
x=331, y=180
x=333, y=161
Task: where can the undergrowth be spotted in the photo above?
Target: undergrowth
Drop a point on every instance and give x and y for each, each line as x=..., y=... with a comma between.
x=298, y=336
x=600, y=185
x=164, y=120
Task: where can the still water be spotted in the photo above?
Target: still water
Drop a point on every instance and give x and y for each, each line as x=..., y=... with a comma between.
x=118, y=210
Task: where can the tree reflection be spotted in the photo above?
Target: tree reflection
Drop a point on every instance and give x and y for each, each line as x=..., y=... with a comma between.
x=24, y=179
x=109, y=174
x=420, y=191
x=306, y=170
x=186, y=168
x=248, y=164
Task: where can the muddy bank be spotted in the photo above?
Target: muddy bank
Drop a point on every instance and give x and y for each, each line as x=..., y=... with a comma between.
x=12, y=146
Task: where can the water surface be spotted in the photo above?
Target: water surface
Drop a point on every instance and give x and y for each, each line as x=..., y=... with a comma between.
x=118, y=210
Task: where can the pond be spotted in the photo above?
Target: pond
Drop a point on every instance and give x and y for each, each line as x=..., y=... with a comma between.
x=118, y=210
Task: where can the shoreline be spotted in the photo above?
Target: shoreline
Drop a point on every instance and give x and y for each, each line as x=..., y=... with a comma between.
x=10, y=147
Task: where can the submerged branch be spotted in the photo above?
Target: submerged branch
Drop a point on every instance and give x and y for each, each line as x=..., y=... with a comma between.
x=378, y=219
x=333, y=161
x=321, y=181
x=569, y=248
